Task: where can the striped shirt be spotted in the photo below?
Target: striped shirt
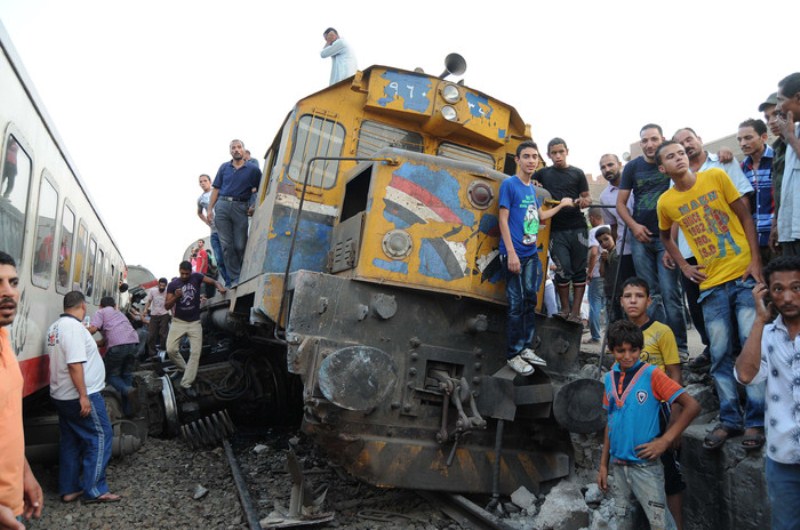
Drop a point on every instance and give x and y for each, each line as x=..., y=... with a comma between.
x=763, y=205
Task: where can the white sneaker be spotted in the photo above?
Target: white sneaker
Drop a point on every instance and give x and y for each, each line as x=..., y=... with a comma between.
x=521, y=367
x=530, y=357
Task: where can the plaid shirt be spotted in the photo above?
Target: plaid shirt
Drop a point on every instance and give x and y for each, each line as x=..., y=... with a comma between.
x=761, y=179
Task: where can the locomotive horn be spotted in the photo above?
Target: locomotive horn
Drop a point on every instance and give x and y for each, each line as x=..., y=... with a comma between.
x=454, y=64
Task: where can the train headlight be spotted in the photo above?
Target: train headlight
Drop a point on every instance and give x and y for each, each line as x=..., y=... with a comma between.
x=451, y=94
x=449, y=113
x=397, y=244
x=480, y=194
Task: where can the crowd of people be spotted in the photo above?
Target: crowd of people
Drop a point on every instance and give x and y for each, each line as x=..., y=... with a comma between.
x=679, y=226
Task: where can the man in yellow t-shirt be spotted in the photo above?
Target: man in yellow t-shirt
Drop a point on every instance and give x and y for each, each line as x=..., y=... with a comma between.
x=20, y=493
x=719, y=229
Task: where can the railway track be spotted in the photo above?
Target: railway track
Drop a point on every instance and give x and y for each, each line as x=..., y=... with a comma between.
x=350, y=502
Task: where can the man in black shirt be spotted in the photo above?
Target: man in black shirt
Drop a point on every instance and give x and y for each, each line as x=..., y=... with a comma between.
x=569, y=244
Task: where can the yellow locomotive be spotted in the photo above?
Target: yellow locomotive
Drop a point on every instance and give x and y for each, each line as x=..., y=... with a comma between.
x=372, y=273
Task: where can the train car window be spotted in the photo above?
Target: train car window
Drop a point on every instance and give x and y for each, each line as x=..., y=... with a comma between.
x=99, y=278
x=374, y=135
x=106, y=280
x=45, y=234
x=79, y=256
x=111, y=279
x=14, y=186
x=65, y=250
x=91, y=264
x=466, y=154
x=316, y=136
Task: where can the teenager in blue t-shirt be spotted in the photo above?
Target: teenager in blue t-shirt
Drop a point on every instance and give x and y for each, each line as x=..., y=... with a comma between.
x=519, y=218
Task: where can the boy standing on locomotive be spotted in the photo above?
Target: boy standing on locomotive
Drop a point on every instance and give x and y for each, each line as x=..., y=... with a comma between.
x=519, y=218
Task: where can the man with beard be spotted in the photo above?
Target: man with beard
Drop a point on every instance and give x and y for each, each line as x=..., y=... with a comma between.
x=20, y=493
x=234, y=186
x=642, y=178
x=757, y=168
x=158, y=327
x=611, y=169
x=701, y=160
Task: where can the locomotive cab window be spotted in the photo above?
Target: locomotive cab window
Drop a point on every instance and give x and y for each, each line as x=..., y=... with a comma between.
x=45, y=234
x=14, y=185
x=65, y=250
x=316, y=136
x=374, y=135
x=466, y=154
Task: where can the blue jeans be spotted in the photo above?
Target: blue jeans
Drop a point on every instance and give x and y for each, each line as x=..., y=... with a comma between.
x=84, y=448
x=231, y=222
x=521, y=291
x=783, y=488
x=667, y=306
x=721, y=305
x=216, y=246
x=644, y=483
x=597, y=301
x=120, y=361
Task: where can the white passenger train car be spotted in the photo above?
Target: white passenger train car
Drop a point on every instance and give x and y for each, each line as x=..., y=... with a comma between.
x=48, y=221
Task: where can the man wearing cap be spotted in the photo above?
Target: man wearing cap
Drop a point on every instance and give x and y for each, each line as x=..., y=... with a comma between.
x=158, y=328
x=234, y=188
x=788, y=112
x=778, y=162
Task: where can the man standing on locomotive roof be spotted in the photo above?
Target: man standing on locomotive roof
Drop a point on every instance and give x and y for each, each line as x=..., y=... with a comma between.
x=343, y=60
x=20, y=493
x=234, y=187
x=183, y=293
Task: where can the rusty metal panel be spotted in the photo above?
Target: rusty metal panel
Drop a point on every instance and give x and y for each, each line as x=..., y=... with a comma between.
x=345, y=242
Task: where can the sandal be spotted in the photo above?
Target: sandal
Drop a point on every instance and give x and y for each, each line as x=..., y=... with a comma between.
x=71, y=497
x=105, y=497
x=718, y=436
x=562, y=314
x=753, y=438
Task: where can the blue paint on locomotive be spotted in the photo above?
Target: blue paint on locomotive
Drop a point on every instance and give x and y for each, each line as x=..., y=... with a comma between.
x=501, y=133
x=433, y=191
x=489, y=225
x=479, y=105
x=412, y=88
x=311, y=246
x=392, y=266
x=436, y=260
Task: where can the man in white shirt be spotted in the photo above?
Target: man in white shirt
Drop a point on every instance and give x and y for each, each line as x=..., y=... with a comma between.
x=344, y=60
x=77, y=376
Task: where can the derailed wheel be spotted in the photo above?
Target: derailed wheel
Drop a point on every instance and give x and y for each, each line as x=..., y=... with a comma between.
x=578, y=406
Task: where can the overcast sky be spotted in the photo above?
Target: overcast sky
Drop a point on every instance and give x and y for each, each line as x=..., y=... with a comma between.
x=148, y=94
